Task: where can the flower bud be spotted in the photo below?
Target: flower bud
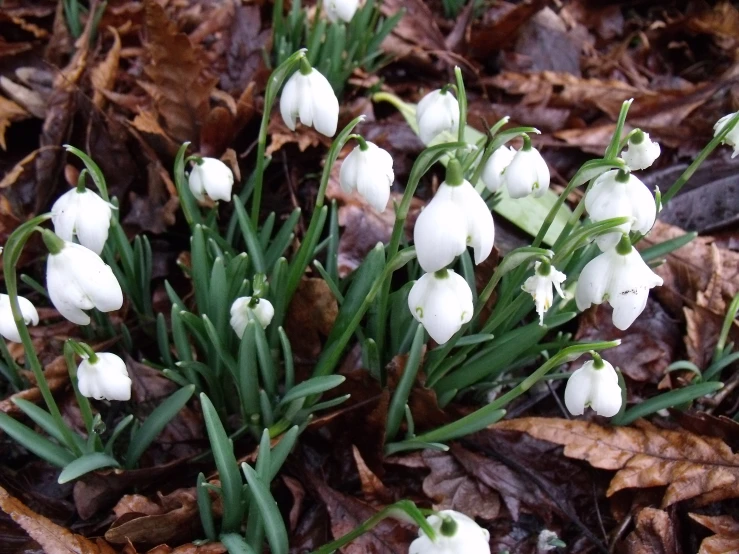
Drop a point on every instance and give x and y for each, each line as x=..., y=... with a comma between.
x=8, y=328
x=104, y=378
x=492, y=173
x=343, y=10
x=82, y=214
x=308, y=96
x=540, y=285
x=732, y=138
x=455, y=534
x=595, y=384
x=437, y=112
x=240, y=313
x=370, y=172
x=212, y=177
x=442, y=303
x=527, y=173
x=641, y=151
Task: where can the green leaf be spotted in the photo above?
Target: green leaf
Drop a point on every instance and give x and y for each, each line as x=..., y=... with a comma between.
x=95, y=172
x=666, y=400
x=43, y=419
x=248, y=371
x=35, y=443
x=253, y=246
x=205, y=507
x=235, y=544
x=314, y=385
x=282, y=450
x=396, y=410
x=274, y=527
x=86, y=464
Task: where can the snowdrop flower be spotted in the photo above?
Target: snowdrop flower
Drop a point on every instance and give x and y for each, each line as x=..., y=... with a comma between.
x=456, y=217
x=732, y=138
x=527, y=173
x=308, y=96
x=261, y=308
x=342, y=10
x=437, y=112
x=641, y=151
x=104, y=376
x=492, y=173
x=595, y=384
x=540, y=284
x=619, y=194
x=369, y=169
x=442, y=303
x=84, y=214
x=455, y=534
x=212, y=177
x=620, y=277
x=8, y=328
x=77, y=279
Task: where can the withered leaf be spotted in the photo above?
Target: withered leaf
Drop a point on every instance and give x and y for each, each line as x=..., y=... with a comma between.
x=654, y=534
x=690, y=466
x=726, y=538
x=103, y=75
x=9, y=112
x=311, y=317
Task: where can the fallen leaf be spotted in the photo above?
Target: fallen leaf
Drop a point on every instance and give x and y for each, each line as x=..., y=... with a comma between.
x=373, y=488
x=655, y=533
x=311, y=317
x=9, y=113
x=726, y=539
x=103, y=75
x=702, y=423
x=545, y=43
x=499, y=26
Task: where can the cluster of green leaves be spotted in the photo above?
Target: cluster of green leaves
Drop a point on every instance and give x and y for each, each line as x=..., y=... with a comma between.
x=452, y=8
x=334, y=49
x=75, y=12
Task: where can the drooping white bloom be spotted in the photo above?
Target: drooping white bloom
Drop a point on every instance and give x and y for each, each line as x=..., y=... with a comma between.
x=342, y=10
x=442, y=303
x=455, y=534
x=83, y=214
x=456, y=217
x=527, y=173
x=492, y=173
x=309, y=97
x=732, y=138
x=641, y=151
x=77, y=279
x=621, y=279
x=262, y=310
x=105, y=378
x=212, y=177
x=540, y=285
x=370, y=172
x=8, y=328
x=437, y=112
x=595, y=384
x=619, y=194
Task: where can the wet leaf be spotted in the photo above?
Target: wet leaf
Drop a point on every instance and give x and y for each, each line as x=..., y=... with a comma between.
x=655, y=533
x=726, y=538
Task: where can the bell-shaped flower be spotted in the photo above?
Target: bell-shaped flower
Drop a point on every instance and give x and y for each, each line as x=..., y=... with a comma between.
x=369, y=170
x=455, y=534
x=527, y=173
x=437, y=112
x=8, y=328
x=104, y=376
x=83, y=214
x=212, y=177
x=732, y=138
x=619, y=194
x=595, y=384
x=77, y=279
x=243, y=307
x=457, y=216
x=442, y=303
x=492, y=173
x=641, y=151
x=540, y=286
x=308, y=96
x=342, y=10
x=620, y=277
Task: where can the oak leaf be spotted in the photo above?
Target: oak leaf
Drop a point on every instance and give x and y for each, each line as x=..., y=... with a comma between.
x=726, y=538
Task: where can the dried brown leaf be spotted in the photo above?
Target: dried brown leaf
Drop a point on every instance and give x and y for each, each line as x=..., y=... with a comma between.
x=690, y=466
x=103, y=75
x=655, y=533
x=373, y=488
x=311, y=317
x=726, y=539
x=9, y=113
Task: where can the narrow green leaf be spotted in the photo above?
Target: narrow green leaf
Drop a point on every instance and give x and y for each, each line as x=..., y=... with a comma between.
x=43, y=419
x=314, y=385
x=666, y=400
x=86, y=464
x=274, y=527
x=35, y=443
x=235, y=544
x=399, y=400
x=205, y=507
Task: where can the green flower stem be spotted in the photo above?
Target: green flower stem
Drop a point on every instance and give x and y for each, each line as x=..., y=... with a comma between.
x=723, y=336
x=82, y=401
x=81, y=181
x=614, y=147
x=488, y=150
x=462, y=101
x=13, y=250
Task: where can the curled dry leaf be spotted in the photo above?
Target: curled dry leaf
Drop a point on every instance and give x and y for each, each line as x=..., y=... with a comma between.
x=103, y=75
x=655, y=533
x=725, y=540
x=691, y=466
x=9, y=112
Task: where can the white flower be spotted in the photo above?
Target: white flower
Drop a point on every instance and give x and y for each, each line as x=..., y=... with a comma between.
x=310, y=98
x=8, y=328
x=540, y=284
x=437, y=112
x=77, y=279
x=641, y=151
x=492, y=173
x=732, y=138
x=340, y=9
x=619, y=194
x=622, y=279
x=106, y=377
x=84, y=214
x=211, y=177
x=457, y=216
x=442, y=302
x=455, y=534
x=262, y=310
x=527, y=173
x=370, y=171
x=595, y=384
